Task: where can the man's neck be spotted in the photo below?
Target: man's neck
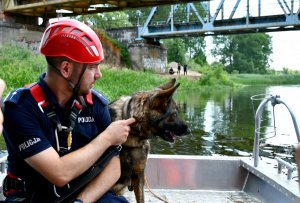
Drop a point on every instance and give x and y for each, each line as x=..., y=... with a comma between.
x=59, y=88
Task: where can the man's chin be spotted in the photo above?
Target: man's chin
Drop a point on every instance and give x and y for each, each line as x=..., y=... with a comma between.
x=84, y=93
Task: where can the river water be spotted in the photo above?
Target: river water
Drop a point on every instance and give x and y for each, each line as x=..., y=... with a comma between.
x=223, y=121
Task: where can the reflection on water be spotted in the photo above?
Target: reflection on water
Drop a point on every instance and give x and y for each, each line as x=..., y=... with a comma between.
x=222, y=123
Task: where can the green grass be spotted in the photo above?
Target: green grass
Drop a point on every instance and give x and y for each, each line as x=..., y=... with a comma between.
x=116, y=83
x=274, y=79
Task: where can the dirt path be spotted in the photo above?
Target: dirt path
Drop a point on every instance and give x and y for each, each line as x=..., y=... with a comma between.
x=193, y=75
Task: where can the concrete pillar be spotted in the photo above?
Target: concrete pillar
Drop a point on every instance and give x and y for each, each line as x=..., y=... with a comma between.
x=19, y=30
x=148, y=56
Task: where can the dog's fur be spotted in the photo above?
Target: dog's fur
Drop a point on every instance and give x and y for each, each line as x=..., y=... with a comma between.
x=156, y=116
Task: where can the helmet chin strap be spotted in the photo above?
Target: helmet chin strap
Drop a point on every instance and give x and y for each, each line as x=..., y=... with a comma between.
x=77, y=86
x=74, y=87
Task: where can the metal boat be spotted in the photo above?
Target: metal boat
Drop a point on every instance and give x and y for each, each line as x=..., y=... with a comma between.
x=220, y=179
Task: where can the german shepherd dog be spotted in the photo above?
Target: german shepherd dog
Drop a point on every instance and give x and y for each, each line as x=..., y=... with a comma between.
x=156, y=116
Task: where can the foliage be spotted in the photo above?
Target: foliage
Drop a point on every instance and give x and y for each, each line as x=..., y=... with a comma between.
x=258, y=79
x=125, y=58
x=176, y=50
x=192, y=65
x=247, y=53
x=128, y=82
x=107, y=20
x=215, y=75
x=194, y=46
x=138, y=16
x=200, y=59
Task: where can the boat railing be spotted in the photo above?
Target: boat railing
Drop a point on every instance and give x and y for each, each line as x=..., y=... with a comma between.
x=274, y=100
x=3, y=164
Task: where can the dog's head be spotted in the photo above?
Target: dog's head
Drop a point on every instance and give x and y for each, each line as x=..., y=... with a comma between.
x=157, y=114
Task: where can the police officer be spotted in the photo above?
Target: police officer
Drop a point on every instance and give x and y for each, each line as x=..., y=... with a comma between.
x=56, y=129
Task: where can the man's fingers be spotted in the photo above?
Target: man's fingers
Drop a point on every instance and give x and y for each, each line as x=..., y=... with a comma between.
x=2, y=86
x=130, y=121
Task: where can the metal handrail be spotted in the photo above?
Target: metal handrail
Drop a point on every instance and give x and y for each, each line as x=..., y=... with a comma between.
x=274, y=100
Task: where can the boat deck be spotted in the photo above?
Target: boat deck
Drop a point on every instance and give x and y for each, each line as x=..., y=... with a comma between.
x=193, y=196
x=188, y=179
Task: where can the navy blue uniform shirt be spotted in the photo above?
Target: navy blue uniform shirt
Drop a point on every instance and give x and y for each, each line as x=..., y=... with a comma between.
x=28, y=131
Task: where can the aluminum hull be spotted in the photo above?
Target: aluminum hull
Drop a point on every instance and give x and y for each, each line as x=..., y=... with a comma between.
x=177, y=178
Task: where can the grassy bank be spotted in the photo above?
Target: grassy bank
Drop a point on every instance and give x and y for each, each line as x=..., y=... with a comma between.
x=273, y=79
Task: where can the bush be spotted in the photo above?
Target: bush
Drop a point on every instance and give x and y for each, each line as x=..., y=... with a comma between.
x=215, y=75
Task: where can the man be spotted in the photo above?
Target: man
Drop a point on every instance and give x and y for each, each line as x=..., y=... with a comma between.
x=57, y=129
x=185, y=69
x=2, y=86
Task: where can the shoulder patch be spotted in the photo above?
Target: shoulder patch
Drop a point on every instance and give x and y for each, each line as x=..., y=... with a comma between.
x=15, y=95
x=100, y=97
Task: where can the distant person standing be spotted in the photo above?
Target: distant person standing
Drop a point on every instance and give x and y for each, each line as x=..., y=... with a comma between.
x=178, y=69
x=185, y=69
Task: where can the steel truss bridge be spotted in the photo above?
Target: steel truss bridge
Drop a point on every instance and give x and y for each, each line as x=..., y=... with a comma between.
x=197, y=18
x=224, y=17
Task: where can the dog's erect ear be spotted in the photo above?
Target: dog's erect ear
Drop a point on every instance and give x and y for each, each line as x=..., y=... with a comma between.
x=162, y=98
x=168, y=84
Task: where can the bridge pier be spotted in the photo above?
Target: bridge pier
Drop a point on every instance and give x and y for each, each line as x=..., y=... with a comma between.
x=147, y=55
x=20, y=30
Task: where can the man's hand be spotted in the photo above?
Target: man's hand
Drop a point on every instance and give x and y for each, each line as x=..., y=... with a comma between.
x=117, y=132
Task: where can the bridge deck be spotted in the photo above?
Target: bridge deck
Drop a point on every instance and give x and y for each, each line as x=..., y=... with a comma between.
x=38, y=8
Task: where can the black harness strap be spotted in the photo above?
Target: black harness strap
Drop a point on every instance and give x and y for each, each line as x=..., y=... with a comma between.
x=49, y=110
x=84, y=179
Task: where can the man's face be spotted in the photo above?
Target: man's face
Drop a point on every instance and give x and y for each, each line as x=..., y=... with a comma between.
x=91, y=74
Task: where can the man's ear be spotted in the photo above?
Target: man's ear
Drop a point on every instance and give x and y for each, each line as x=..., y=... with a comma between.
x=65, y=68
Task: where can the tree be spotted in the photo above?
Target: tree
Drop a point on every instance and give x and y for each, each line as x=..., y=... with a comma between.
x=176, y=50
x=200, y=58
x=107, y=20
x=224, y=49
x=247, y=53
x=194, y=46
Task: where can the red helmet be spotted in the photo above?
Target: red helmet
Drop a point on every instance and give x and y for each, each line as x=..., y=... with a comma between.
x=72, y=39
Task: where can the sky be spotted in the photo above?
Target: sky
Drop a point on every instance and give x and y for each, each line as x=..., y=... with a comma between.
x=286, y=45
x=286, y=50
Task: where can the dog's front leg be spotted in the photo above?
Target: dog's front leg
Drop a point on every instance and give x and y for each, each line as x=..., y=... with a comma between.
x=138, y=182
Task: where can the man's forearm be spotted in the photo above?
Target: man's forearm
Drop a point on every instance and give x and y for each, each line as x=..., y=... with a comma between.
x=102, y=183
